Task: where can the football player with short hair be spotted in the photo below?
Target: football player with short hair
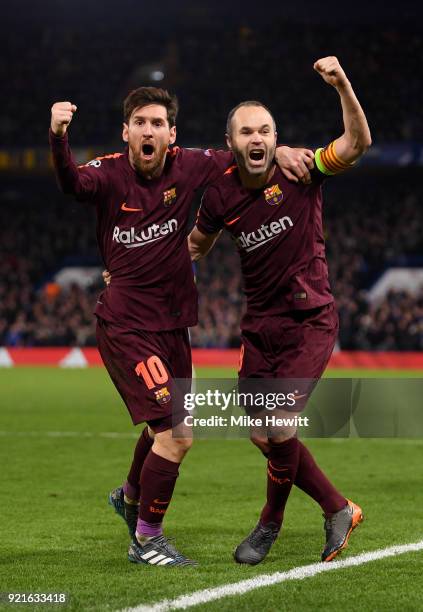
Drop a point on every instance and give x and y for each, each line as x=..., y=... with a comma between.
x=291, y=324
x=142, y=199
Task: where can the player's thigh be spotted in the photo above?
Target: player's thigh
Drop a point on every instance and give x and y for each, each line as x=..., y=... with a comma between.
x=139, y=365
x=255, y=380
x=255, y=360
x=303, y=346
x=179, y=353
x=307, y=340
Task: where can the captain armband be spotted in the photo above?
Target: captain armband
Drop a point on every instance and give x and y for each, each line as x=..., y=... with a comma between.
x=328, y=161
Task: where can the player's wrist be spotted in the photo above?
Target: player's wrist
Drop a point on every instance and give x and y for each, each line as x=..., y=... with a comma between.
x=343, y=86
x=57, y=133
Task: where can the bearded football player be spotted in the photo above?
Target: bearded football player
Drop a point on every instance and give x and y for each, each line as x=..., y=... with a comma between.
x=142, y=198
x=291, y=324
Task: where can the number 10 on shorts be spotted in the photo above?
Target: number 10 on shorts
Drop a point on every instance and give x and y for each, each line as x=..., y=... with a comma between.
x=152, y=371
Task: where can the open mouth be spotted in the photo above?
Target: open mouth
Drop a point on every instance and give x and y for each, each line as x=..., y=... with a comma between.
x=147, y=151
x=256, y=155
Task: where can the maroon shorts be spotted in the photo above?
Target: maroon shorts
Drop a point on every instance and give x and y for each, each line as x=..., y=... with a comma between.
x=142, y=365
x=294, y=346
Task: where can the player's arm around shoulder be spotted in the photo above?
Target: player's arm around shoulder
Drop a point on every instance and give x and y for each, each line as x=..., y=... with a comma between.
x=295, y=163
x=205, y=165
x=208, y=226
x=84, y=182
x=356, y=139
x=200, y=244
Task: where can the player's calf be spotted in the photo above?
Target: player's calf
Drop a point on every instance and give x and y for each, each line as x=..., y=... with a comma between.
x=158, y=478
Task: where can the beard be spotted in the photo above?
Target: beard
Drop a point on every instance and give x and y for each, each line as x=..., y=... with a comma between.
x=148, y=167
x=243, y=161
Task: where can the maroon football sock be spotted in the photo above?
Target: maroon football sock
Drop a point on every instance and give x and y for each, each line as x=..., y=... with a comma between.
x=312, y=481
x=158, y=478
x=132, y=486
x=281, y=469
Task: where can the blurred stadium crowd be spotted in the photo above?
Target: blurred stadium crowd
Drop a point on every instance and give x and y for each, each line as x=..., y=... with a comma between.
x=371, y=222
x=373, y=219
x=211, y=68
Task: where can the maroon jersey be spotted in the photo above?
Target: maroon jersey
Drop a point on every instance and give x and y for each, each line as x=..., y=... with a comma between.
x=279, y=236
x=142, y=231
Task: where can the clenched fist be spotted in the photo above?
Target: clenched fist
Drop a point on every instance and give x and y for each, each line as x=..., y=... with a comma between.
x=61, y=116
x=331, y=71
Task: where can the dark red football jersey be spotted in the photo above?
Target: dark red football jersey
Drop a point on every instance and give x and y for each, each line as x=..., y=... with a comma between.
x=279, y=236
x=142, y=231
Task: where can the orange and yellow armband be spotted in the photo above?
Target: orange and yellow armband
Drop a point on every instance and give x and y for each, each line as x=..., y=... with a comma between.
x=328, y=161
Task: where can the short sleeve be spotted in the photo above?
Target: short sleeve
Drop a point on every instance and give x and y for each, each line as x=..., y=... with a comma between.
x=210, y=213
x=208, y=165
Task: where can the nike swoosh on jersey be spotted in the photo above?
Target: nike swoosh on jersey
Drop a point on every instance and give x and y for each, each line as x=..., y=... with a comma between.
x=233, y=221
x=128, y=209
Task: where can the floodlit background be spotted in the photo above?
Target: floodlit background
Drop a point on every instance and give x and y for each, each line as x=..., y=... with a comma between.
x=65, y=437
x=212, y=56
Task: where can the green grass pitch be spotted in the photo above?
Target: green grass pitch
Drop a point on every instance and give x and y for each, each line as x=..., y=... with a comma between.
x=59, y=535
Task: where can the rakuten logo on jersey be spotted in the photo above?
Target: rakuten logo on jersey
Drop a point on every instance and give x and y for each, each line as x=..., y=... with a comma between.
x=252, y=241
x=133, y=238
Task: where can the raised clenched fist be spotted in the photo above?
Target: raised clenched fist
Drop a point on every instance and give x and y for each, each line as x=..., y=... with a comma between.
x=61, y=116
x=331, y=71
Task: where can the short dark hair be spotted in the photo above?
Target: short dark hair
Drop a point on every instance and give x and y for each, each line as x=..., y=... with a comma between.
x=143, y=96
x=246, y=103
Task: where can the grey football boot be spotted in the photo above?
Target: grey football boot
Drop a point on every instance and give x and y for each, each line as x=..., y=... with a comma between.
x=338, y=529
x=257, y=544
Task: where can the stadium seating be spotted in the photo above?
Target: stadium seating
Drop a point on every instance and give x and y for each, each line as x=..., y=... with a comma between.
x=373, y=219
x=371, y=222
x=211, y=72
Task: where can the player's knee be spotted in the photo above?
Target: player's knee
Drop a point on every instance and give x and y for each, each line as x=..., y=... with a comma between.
x=177, y=448
x=170, y=446
x=282, y=434
x=182, y=444
x=261, y=441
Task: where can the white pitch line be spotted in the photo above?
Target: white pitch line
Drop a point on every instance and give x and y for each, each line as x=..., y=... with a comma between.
x=67, y=434
x=297, y=573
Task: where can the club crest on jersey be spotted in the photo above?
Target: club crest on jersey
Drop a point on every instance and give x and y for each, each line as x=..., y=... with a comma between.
x=273, y=195
x=162, y=395
x=169, y=196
